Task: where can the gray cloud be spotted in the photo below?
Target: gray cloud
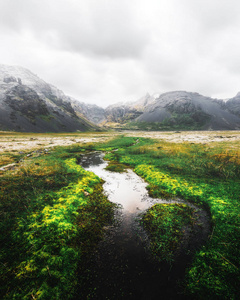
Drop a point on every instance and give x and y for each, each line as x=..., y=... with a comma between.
x=104, y=51
x=107, y=28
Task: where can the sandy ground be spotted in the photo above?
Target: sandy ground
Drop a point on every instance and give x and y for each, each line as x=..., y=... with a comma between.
x=28, y=142
x=190, y=136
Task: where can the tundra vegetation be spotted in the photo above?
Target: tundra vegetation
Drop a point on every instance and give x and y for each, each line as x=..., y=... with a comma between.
x=53, y=213
x=207, y=175
x=52, y=216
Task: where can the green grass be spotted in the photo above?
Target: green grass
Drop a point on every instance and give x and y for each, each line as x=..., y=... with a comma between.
x=52, y=215
x=209, y=176
x=115, y=167
x=165, y=224
x=114, y=144
x=53, y=212
x=9, y=158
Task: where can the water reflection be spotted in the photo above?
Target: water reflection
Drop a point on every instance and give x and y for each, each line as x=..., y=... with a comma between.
x=126, y=189
x=122, y=267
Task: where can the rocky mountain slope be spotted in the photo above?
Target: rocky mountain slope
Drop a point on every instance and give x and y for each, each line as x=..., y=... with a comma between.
x=233, y=105
x=178, y=110
x=29, y=104
x=124, y=112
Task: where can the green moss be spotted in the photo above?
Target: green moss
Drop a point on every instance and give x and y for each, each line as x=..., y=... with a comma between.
x=53, y=213
x=165, y=224
x=209, y=177
x=115, y=167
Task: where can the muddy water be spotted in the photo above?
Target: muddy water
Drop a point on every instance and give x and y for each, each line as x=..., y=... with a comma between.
x=122, y=267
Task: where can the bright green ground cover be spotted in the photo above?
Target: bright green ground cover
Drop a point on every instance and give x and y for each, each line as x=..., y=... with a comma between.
x=115, y=167
x=165, y=224
x=52, y=215
x=210, y=177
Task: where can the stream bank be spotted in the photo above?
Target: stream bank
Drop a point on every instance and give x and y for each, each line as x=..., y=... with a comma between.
x=122, y=266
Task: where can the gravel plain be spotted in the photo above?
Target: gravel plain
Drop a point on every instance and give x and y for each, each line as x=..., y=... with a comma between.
x=13, y=142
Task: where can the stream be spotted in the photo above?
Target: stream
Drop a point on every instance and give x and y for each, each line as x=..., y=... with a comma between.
x=122, y=266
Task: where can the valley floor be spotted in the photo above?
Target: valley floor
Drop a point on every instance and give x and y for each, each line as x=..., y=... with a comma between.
x=14, y=141
x=46, y=194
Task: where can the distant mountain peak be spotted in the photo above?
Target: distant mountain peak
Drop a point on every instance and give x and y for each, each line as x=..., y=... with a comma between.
x=238, y=95
x=28, y=103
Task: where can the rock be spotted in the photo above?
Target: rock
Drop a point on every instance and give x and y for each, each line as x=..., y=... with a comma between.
x=9, y=79
x=188, y=110
x=29, y=104
x=233, y=105
x=8, y=167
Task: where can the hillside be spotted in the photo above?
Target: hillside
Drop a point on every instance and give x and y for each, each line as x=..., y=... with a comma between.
x=29, y=104
x=178, y=110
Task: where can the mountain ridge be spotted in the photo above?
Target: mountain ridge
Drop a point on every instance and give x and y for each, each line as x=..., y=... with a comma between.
x=28, y=103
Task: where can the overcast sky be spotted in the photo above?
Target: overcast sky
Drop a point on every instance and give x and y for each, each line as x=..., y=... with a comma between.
x=106, y=51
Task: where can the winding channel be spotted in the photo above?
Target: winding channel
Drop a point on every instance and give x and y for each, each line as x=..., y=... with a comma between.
x=123, y=267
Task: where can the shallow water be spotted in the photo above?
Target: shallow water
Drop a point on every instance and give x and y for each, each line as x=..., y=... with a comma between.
x=123, y=267
x=126, y=189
